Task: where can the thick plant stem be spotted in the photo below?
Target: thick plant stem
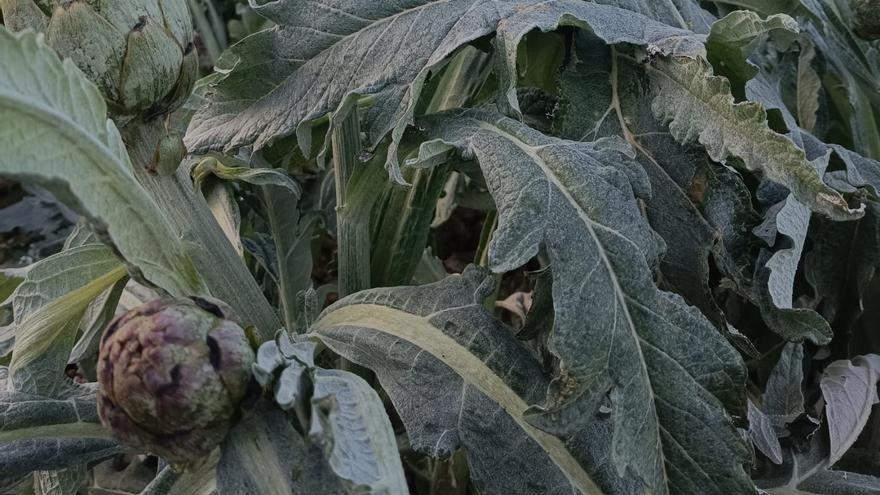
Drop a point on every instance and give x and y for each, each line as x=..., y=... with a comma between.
x=353, y=233
x=218, y=263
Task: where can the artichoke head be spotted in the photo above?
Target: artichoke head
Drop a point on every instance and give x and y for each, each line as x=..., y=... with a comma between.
x=172, y=374
x=138, y=52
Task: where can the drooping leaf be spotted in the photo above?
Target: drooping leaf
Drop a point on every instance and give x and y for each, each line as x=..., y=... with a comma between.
x=763, y=435
x=458, y=378
x=241, y=173
x=809, y=86
x=699, y=107
x=49, y=106
x=783, y=396
x=611, y=24
x=350, y=423
x=255, y=102
x=792, y=221
x=578, y=199
x=339, y=52
x=602, y=94
x=850, y=391
x=809, y=472
x=852, y=73
x=733, y=38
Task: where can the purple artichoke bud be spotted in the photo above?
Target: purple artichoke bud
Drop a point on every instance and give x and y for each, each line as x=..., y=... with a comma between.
x=172, y=374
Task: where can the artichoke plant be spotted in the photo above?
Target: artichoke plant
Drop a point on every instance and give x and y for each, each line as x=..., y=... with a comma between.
x=172, y=374
x=140, y=53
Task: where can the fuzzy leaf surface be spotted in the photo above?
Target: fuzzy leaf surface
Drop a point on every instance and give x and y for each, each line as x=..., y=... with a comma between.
x=56, y=130
x=460, y=379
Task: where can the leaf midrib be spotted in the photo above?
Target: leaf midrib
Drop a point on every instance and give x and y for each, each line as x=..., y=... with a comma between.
x=618, y=291
x=419, y=332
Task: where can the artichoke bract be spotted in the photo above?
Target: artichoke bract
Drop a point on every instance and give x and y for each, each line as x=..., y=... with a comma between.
x=172, y=375
x=139, y=52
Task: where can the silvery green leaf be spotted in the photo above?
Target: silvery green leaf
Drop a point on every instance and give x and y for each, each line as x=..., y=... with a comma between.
x=579, y=200
x=460, y=379
x=783, y=397
x=809, y=472
x=681, y=206
x=684, y=14
x=256, y=101
x=39, y=433
x=350, y=423
x=611, y=24
x=763, y=435
x=260, y=98
x=282, y=366
x=54, y=104
x=264, y=454
x=268, y=361
x=700, y=108
x=855, y=66
x=95, y=319
x=850, y=392
x=292, y=234
x=48, y=307
x=81, y=235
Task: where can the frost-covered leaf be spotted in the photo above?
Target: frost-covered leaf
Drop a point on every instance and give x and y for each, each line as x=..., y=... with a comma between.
x=763, y=435
x=56, y=131
x=271, y=86
x=808, y=472
x=603, y=94
x=684, y=14
x=783, y=397
x=348, y=419
x=460, y=379
x=264, y=454
x=350, y=423
x=578, y=199
x=39, y=433
x=611, y=24
x=733, y=38
x=850, y=391
x=700, y=108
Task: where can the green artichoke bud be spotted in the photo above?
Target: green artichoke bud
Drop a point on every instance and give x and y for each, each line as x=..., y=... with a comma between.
x=170, y=151
x=172, y=375
x=139, y=53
